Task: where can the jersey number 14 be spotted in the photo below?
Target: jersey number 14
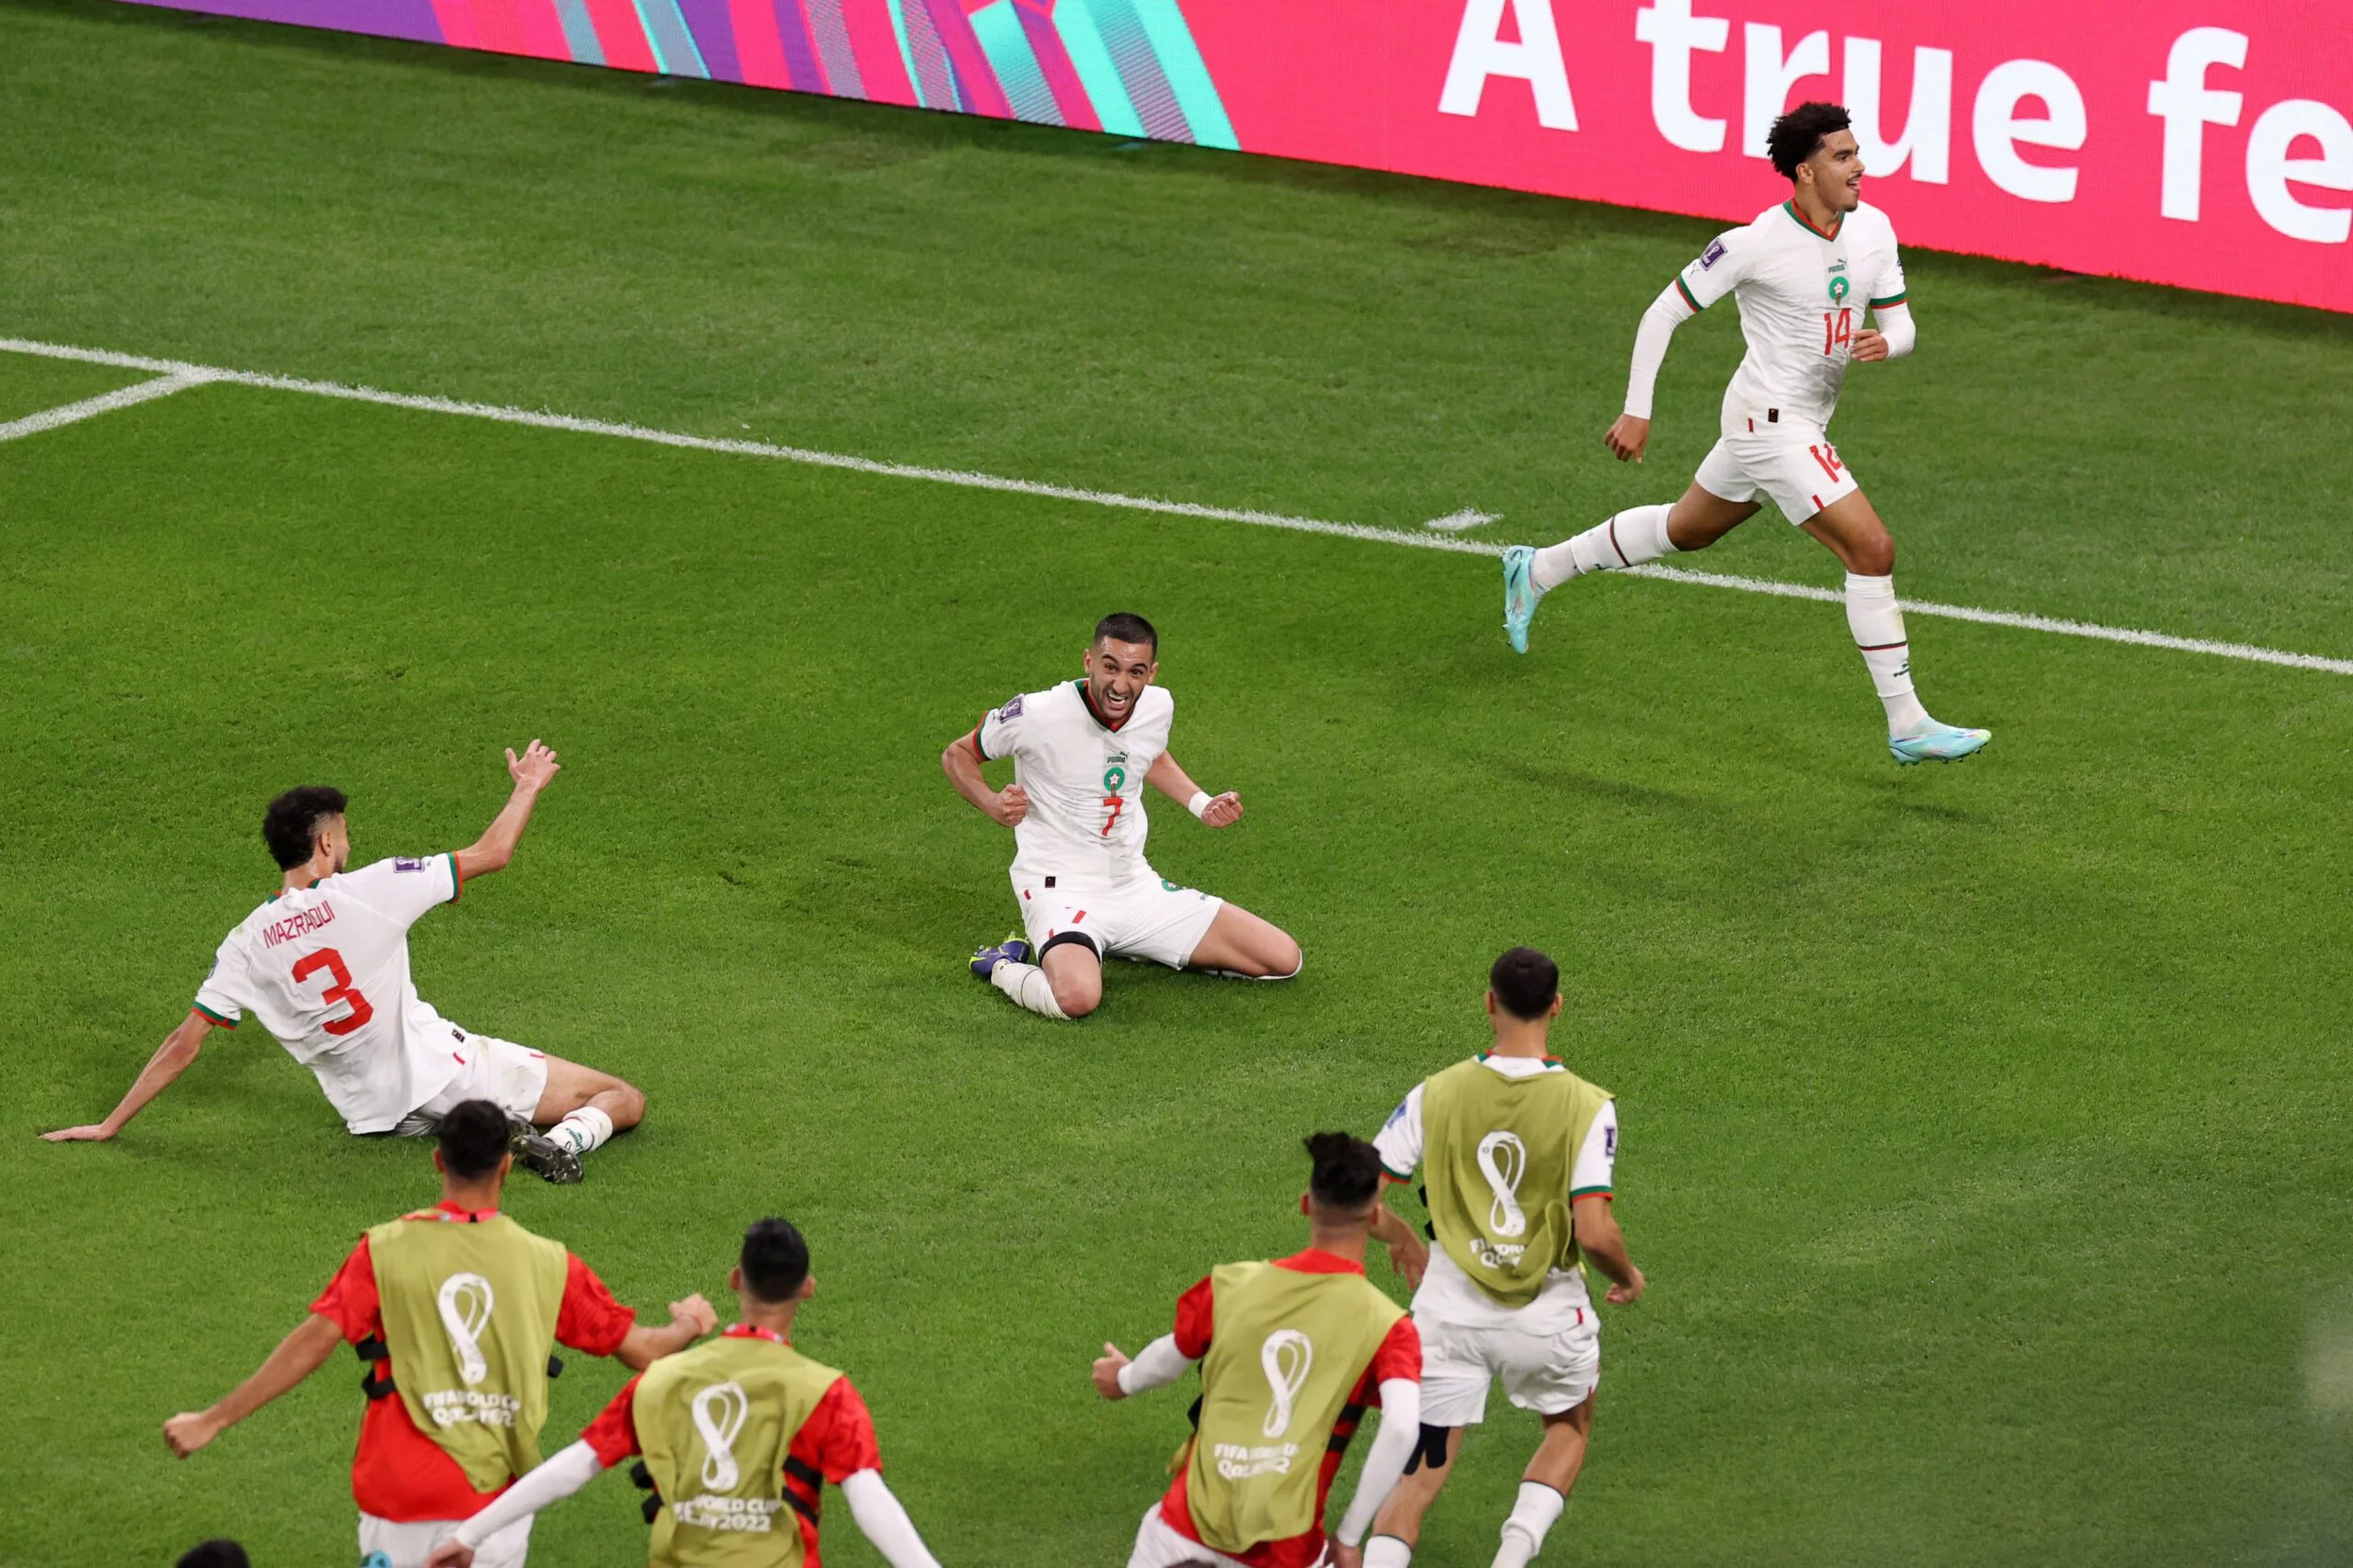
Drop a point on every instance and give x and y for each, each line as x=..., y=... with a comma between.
x=1837, y=329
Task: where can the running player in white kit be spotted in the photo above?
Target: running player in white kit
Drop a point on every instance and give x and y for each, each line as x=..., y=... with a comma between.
x=324, y=964
x=1804, y=273
x=1083, y=752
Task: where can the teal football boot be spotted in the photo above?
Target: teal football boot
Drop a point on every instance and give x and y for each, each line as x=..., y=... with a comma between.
x=1937, y=743
x=1520, y=594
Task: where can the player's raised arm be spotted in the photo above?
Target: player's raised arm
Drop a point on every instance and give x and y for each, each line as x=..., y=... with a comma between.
x=299, y=1354
x=171, y=1060
x=962, y=763
x=1217, y=811
x=531, y=773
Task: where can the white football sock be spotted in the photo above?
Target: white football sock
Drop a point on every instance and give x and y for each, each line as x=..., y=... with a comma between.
x=584, y=1129
x=1387, y=1552
x=1535, y=1512
x=1877, y=623
x=1027, y=984
x=1634, y=536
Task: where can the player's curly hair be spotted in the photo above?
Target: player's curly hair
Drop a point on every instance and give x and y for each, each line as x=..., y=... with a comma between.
x=1798, y=135
x=775, y=1259
x=290, y=826
x=1347, y=1170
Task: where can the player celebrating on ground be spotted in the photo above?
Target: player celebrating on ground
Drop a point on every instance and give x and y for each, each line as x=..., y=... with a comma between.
x=734, y=1433
x=325, y=965
x=457, y=1308
x=1803, y=274
x=1083, y=752
x=1292, y=1353
x=1518, y=1152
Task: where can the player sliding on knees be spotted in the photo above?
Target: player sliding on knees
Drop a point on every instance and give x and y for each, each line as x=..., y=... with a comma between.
x=1804, y=275
x=1518, y=1153
x=324, y=964
x=1293, y=1353
x=1081, y=754
x=740, y=1435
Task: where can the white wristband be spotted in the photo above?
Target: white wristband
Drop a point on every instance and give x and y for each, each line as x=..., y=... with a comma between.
x=1199, y=803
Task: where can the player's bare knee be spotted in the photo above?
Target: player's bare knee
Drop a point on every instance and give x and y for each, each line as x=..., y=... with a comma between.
x=1874, y=558
x=1078, y=998
x=625, y=1102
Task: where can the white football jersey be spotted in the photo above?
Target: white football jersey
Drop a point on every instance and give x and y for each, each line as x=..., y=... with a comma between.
x=325, y=970
x=1802, y=296
x=1085, y=780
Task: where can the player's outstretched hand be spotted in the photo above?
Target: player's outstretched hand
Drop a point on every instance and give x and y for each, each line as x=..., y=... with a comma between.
x=1626, y=438
x=452, y=1554
x=189, y=1431
x=697, y=1311
x=1869, y=344
x=1223, y=811
x=1627, y=1294
x=94, y=1133
x=534, y=767
x=1107, y=1371
x=1012, y=805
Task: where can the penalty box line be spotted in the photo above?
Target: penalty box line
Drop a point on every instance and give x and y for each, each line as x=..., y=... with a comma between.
x=175, y=375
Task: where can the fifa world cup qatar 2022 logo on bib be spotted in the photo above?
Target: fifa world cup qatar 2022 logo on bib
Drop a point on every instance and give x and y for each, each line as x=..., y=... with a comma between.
x=1503, y=1160
x=718, y=1412
x=1287, y=1357
x=465, y=1303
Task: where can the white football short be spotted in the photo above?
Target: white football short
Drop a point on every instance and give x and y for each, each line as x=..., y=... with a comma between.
x=499, y=1071
x=384, y=1544
x=1143, y=917
x=1795, y=466
x=1549, y=1363
x=1159, y=1546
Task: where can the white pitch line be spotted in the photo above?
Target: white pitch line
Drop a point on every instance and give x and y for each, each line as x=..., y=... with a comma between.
x=179, y=380
x=183, y=374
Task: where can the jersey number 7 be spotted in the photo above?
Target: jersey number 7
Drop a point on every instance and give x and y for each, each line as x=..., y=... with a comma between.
x=1113, y=805
x=331, y=962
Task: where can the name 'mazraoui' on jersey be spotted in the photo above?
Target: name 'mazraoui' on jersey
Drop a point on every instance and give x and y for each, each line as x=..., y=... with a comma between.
x=1801, y=294
x=1085, y=780
x=325, y=970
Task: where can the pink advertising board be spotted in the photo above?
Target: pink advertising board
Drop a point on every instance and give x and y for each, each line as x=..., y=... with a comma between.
x=2207, y=144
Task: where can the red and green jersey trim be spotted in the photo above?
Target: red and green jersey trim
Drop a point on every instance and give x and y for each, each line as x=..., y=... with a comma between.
x=1591, y=1192
x=1891, y=300
x=1685, y=289
x=457, y=876
x=1791, y=207
x=217, y=1020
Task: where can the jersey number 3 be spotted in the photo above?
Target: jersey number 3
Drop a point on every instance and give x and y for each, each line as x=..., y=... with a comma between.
x=331, y=962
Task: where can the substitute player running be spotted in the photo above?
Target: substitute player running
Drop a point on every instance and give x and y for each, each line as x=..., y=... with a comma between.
x=456, y=1308
x=1803, y=274
x=734, y=1433
x=1519, y=1153
x=324, y=964
x=1291, y=1353
x=1081, y=754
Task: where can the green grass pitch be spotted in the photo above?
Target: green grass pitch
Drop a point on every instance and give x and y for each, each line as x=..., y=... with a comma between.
x=1985, y=1128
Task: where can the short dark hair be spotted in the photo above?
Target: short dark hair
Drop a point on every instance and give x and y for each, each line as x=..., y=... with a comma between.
x=473, y=1139
x=1121, y=627
x=775, y=1259
x=290, y=826
x=1798, y=135
x=1347, y=1170
x=218, y=1553
x=1524, y=982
